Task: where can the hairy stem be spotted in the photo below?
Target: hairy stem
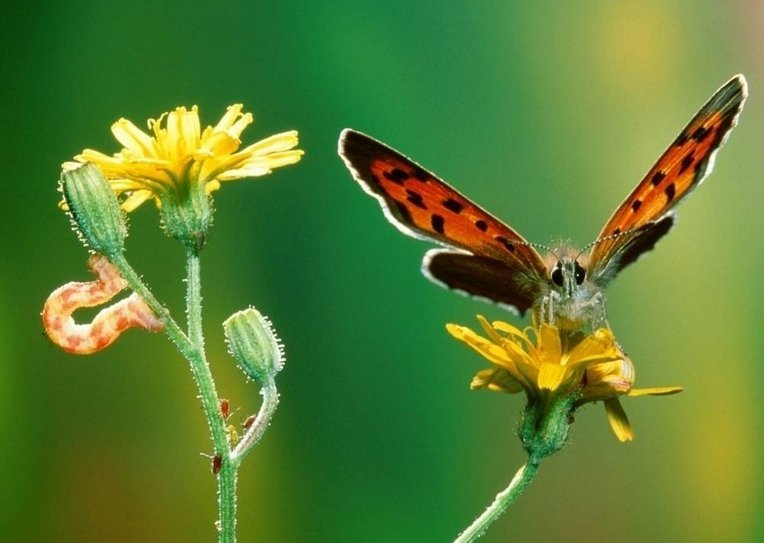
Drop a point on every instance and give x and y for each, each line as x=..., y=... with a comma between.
x=260, y=425
x=174, y=332
x=191, y=346
x=226, y=476
x=503, y=499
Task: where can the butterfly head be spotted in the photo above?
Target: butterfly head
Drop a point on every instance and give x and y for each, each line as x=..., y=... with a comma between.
x=571, y=299
x=567, y=275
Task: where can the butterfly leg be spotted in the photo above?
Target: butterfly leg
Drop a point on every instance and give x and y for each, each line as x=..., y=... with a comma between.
x=546, y=310
x=599, y=313
x=593, y=312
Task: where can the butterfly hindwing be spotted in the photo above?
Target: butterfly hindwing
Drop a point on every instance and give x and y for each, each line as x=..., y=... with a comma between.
x=680, y=169
x=637, y=243
x=421, y=205
x=482, y=277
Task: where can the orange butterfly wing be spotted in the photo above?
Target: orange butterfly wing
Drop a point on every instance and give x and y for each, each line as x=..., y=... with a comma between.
x=680, y=169
x=421, y=205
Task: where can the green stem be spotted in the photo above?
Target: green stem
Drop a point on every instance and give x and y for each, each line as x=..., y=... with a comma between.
x=503, y=499
x=226, y=477
x=260, y=425
x=194, y=299
x=191, y=346
x=171, y=328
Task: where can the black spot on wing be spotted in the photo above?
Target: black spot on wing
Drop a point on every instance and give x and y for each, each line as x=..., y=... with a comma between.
x=481, y=225
x=452, y=205
x=686, y=162
x=415, y=198
x=681, y=139
x=506, y=243
x=635, y=205
x=670, y=191
x=438, y=223
x=657, y=178
x=701, y=133
x=420, y=174
x=396, y=175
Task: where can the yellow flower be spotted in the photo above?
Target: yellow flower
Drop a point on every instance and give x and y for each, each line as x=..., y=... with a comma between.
x=177, y=157
x=547, y=363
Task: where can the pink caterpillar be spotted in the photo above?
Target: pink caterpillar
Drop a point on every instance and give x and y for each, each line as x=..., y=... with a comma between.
x=110, y=321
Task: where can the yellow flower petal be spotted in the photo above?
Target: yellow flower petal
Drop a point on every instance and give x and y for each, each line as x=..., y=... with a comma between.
x=589, y=348
x=509, y=329
x=608, y=379
x=551, y=375
x=489, y=350
x=490, y=330
x=132, y=138
x=273, y=144
x=232, y=113
x=135, y=199
x=219, y=143
x=619, y=422
x=550, y=344
x=654, y=391
x=497, y=380
x=258, y=166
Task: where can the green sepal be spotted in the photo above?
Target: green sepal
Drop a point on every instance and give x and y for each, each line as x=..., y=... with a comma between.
x=187, y=215
x=545, y=426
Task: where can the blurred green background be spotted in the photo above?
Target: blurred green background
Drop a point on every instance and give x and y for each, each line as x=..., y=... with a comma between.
x=545, y=115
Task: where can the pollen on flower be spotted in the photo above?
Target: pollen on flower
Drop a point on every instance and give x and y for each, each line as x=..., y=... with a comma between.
x=110, y=322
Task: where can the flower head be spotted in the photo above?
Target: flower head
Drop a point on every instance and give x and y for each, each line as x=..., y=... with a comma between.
x=547, y=364
x=178, y=165
x=177, y=153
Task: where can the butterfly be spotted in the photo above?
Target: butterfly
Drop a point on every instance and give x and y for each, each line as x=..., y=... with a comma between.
x=486, y=258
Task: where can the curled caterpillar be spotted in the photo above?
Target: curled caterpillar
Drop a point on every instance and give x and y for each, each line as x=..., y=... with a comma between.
x=110, y=321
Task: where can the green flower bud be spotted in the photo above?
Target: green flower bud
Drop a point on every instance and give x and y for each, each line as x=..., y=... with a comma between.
x=94, y=210
x=254, y=345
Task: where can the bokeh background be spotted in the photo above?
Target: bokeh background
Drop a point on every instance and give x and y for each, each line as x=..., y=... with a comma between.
x=545, y=115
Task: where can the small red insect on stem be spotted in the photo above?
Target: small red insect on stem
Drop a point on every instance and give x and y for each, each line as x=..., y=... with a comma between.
x=217, y=463
x=249, y=422
x=110, y=321
x=225, y=408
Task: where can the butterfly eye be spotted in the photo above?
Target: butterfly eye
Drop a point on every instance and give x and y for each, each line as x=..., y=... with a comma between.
x=580, y=273
x=556, y=275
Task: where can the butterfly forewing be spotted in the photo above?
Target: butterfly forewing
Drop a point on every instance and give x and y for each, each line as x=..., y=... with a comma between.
x=422, y=205
x=678, y=171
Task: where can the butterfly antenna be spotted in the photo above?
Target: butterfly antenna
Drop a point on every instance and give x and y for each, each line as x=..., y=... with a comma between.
x=606, y=238
x=544, y=247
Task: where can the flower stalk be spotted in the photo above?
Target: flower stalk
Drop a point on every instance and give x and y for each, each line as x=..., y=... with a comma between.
x=558, y=370
x=259, y=425
x=504, y=499
x=179, y=166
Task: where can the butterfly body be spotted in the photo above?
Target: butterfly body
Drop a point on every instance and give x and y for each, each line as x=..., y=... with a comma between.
x=569, y=298
x=484, y=257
